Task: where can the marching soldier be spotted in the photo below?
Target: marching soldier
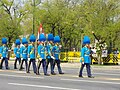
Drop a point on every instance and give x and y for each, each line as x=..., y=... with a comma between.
x=42, y=54
x=85, y=57
x=24, y=51
x=4, y=53
x=49, y=51
x=56, y=52
x=31, y=54
x=17, y=53
x=38, y=57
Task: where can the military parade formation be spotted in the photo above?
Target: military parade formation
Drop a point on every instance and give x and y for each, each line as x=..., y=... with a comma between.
x=47, y=52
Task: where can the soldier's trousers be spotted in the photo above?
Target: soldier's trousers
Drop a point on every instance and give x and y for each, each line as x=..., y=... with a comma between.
x=15, y=63
x=26, y=64
x=44, y=66
x=6, y=62
x=58, y=65
x=87, y=67
x=51, y=65
x=33, y=64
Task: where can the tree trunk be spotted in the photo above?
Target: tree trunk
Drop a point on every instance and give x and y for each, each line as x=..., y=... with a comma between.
x=100, y=57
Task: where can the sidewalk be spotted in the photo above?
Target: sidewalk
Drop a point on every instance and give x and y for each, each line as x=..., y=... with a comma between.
x=77, y=65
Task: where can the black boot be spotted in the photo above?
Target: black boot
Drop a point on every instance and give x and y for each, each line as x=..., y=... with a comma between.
x=15, y=67
x=0, y=67
x=47, y=74
x=61, y=73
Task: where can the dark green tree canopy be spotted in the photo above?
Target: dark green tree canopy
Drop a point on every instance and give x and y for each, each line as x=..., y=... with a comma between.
x=70, y=19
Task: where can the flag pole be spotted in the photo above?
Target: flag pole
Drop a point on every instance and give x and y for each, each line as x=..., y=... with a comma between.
x=33, y=16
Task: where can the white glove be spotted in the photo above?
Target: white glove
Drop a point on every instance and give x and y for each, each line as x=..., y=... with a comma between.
x=40, y=59
x=52, y=57
x=28, y=59
x=1, y=58
x=82, y=62
x=21, y=58
x=28, y=56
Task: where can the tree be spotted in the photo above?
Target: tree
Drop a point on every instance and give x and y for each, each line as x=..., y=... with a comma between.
x=70, y=19
x=10, y=20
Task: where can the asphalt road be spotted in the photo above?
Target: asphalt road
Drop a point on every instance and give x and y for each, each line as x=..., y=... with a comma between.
x=106, y=78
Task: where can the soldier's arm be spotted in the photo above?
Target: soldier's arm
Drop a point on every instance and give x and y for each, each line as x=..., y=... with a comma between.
x=21, y=51
x=39, y=50
x=53, y=50
x=0, y=51
x=15, y=51
x=95, y=36
x=82, y=54
x=29, y=49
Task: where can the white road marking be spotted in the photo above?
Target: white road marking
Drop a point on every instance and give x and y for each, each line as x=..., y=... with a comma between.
x=108, y=74
x=20, y=76
x=103, y=82
x=42, y=86
x=12, y=71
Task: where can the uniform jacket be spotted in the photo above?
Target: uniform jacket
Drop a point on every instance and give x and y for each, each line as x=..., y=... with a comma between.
x=31, y=51
x=4, y=51
x=42, y=51
x=49, y=50
x=56, y=52
x=24, y=51
x=17, y=52
x=85, y=54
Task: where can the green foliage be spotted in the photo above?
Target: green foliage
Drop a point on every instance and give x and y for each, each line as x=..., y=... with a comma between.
x=68, y=18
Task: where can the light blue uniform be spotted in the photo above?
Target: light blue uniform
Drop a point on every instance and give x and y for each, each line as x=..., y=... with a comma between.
x=17, y=55
x=42, y=51
x=49, y=50
x=0, y=52
x=24, y=51
x=42, y=54
x=85, y=54
x=4, y=51
x=31, y=51
x=56, y=52
x=17, y=52
x=31, y=54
